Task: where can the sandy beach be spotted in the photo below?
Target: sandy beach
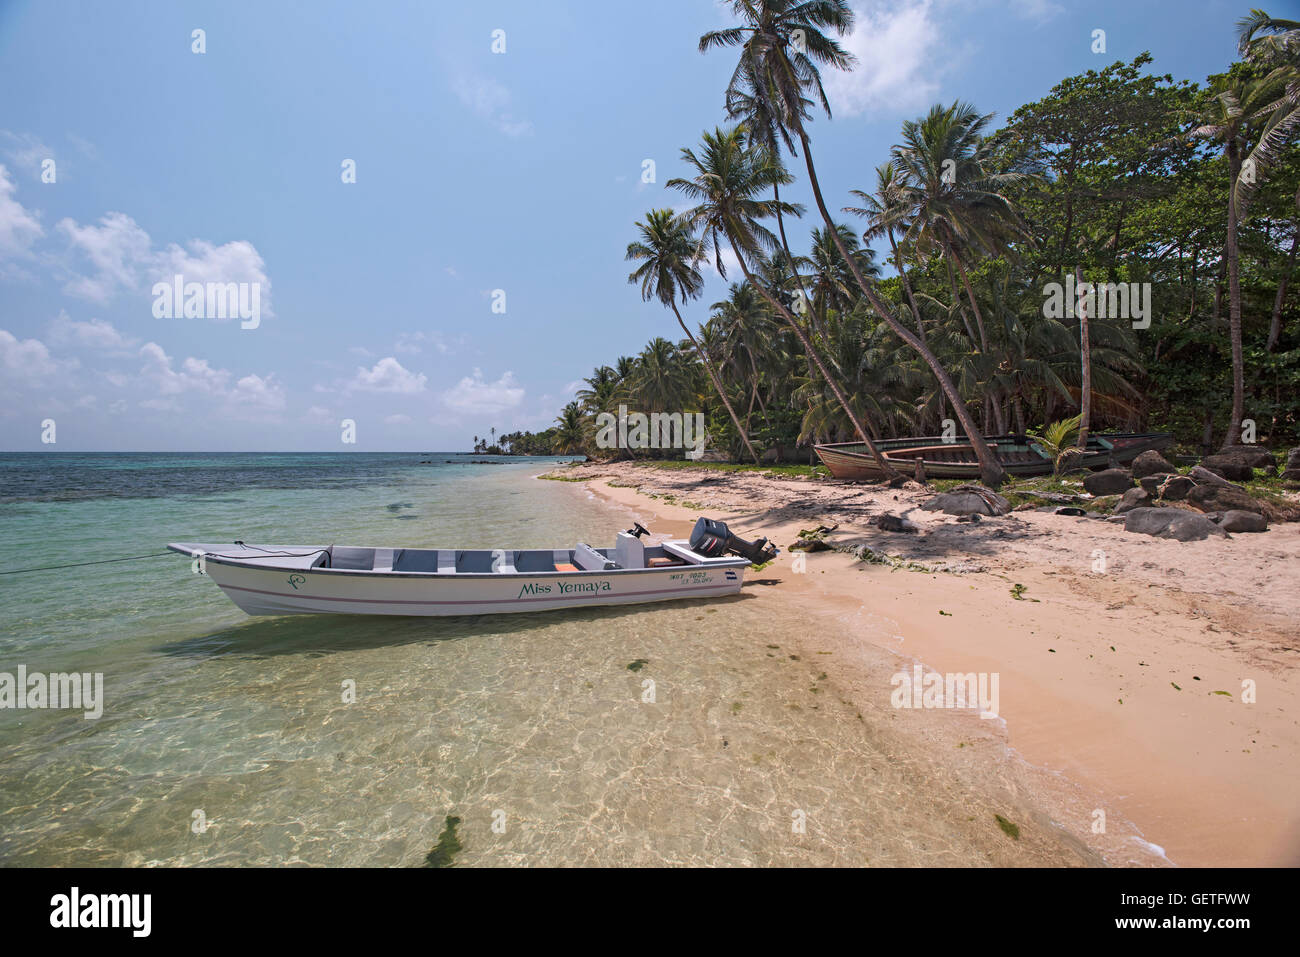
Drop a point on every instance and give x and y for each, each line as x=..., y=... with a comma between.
x=1148, y=688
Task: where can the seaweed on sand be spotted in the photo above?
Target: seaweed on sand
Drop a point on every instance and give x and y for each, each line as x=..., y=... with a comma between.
x=448, y=845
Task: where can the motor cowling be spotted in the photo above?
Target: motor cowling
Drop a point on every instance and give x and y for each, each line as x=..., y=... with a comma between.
x=712, y=539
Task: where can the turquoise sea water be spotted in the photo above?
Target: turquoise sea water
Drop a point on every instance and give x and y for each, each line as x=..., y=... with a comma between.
x=674, y=733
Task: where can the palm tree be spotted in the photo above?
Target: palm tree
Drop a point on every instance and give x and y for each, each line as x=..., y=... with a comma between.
x=830, y=280
x=728, y=178
x=782, y=45
x=602, y=391
x=886, y=211
x=666, y=251
x=747, y=340
x=570, y=434
x=1266, y=41
x=764, y=132
x=1241, y=108
x=662, y=381
x=955, y=204
x=623, y=367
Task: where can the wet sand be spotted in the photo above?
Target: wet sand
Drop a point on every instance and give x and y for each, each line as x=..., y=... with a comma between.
x=1110, y=679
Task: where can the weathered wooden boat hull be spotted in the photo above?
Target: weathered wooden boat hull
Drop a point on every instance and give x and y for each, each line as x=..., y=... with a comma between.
x=956, y=460
x=306, y=589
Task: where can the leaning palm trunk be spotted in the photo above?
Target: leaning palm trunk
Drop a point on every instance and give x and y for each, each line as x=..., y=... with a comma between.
x=790, y=320
x=991, y=471
x=1085, y=352
x=717, y=384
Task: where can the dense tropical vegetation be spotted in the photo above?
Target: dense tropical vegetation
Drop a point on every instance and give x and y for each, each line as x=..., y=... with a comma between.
x=924, y=298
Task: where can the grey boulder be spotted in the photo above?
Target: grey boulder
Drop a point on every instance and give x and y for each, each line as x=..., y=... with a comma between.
x=1254, y=456
x=968, y=500
x=1203, y=476
x=1175, y=488
x=1223, y=498
x=896, y=523
x=1292, y=471
x=1228, y=467
x=1133, y=498
x=1176, y=523
x=1109, y=482
x=1235, y=520
x=1153, y=482
x=1150, y=462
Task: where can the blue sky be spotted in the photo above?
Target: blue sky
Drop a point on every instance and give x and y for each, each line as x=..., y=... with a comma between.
x=475, y=171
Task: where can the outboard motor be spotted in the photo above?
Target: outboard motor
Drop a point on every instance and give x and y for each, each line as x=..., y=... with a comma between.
x=713, y=539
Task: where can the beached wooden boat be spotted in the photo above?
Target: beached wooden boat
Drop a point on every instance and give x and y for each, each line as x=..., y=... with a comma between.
x=1019, y=455
x=333, y=579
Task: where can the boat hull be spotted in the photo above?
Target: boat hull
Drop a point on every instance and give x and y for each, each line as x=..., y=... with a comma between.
x=265, y=591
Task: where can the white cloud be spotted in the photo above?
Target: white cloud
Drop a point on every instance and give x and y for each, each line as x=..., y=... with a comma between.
x=26, y=359
x=1037, y=10
x=255, y=392
x=122, y=257
x=473, y=395
x=84, y=146
x=412, y=343
x=398, y=419
x=387, y=375
x=205, y=262
x=250, y=394
x=194, y=375
x=27, y=151
x=898, y=63
x=18, y=227
x=91, y=334
x=491, y=101
x=116, y=249
x=572, y=388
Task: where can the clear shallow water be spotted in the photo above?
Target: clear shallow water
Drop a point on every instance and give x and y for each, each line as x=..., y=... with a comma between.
x=531, y=721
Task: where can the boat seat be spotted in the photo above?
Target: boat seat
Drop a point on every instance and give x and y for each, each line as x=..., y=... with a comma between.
x=477, y=561
x=384, y=559
x=446, y=562
x=535, y=561
x=588, y=559
x=415, y=560
x=358, y=559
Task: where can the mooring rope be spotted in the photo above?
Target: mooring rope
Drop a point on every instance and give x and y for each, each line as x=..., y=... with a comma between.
x=105, y=561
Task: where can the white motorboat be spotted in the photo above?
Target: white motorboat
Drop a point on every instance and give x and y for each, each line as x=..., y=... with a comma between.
x=334, y=579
